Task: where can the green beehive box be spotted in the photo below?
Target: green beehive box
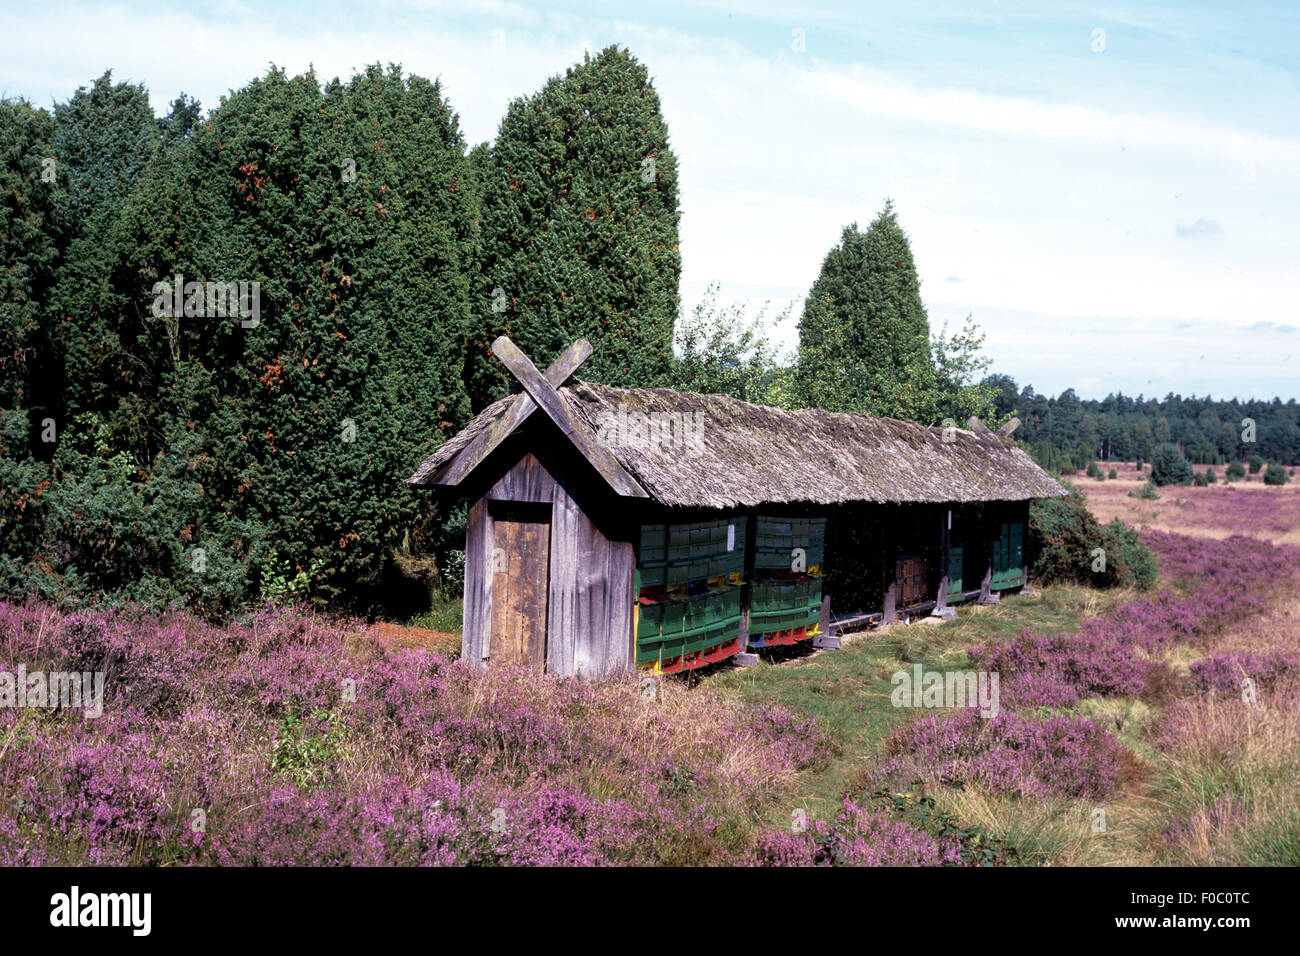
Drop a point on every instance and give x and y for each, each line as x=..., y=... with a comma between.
x=673, y=647
x=649, y=622
x=674, y=618
x=679, y=542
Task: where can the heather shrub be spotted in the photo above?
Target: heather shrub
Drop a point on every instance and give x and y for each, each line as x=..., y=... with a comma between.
x=1226, y=673
x=1056, y=669
x=1008, y=754
x=301, y=741
x=858, y=836
x=862, y=837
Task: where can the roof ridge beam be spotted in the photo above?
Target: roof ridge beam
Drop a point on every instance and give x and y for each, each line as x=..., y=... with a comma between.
x=548, y=400
x=490, y=438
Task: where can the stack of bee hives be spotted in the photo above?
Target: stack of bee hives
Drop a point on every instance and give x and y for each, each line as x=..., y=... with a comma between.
x=689, y=580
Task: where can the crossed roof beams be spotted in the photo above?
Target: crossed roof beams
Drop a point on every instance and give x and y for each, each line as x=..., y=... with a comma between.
x=540, y=392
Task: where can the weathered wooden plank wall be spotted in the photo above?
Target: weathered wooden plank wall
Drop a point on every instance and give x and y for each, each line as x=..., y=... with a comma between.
x=590, y=592
x=477, y=606
x=592, y=589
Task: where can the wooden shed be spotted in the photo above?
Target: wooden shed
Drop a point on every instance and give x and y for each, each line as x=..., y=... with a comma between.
x=611, y=529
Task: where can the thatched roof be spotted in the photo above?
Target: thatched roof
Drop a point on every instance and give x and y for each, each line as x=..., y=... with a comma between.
x=736, y=454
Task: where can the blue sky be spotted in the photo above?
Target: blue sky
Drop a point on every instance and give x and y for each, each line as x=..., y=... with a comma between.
x=1112, y=191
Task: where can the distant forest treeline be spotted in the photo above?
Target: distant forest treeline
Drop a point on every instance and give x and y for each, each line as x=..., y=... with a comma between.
x=1069, y=432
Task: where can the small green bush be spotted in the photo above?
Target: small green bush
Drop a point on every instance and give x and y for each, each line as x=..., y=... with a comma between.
x=1093, y=471
x=1147, y=492
x=1129, y=562
x=1063, y=539
x=1256, y=463
x=1201, y=479
x=1169, y=466
x=1113, y=474
x=1235, y=472
x=1275, y=475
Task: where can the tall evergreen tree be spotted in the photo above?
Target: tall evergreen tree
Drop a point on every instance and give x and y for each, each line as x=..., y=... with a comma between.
x=29, y=252
x=210, y=456
x=105, y=137
x=579, y=228
x=353, y=209
x=28, y=245
x=864, y=339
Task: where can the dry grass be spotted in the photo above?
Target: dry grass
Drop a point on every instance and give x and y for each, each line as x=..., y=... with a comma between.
x=389, y=636
x=1270, y=513
x=1228, y=776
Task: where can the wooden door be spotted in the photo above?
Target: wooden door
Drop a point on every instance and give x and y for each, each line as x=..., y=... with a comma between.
x=520, y=579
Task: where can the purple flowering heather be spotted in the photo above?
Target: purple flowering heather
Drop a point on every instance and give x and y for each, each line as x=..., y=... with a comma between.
x=1221, y=581
x=288, y=739
x=1009, y=754
x=1225, y=673
x=857, y=837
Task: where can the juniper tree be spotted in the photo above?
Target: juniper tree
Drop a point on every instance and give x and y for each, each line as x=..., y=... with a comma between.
x=579, y=228
x=864, y=339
